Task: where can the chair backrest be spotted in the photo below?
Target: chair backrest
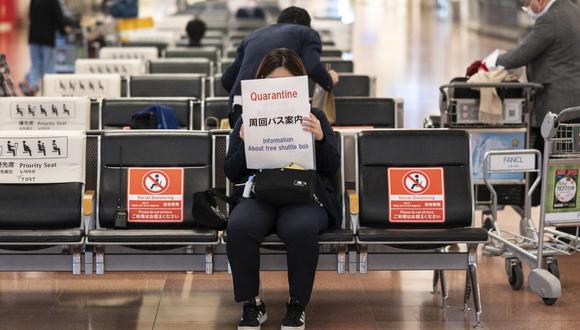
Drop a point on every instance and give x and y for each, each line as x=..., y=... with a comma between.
x=91, y=85
x=331, y=52
x=44, y=113
x=442, y=152
x=224, y=64
x=365, y=111
x=41, y=180
x=211, y=53
x=167, y=85
x=338, y=182
x=160, y=45
x=116, y=113
x=349, y=85
x=353, y=85
x=182, y=65
x=338, y=64
x=213, y=42
x=231, y=52
x=155, y=150
x=218, y=88
x=120, y=66
x=144, y=53
x=215, y=109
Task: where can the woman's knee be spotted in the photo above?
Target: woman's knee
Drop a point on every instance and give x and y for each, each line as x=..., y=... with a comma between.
x=249, y=221
x=301, y=231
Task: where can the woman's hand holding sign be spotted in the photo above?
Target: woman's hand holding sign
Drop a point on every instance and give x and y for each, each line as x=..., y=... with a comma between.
x=312, y=124
x=242, y=132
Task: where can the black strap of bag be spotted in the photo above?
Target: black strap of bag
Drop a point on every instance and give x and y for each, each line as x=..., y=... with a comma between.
x=205, y=212
x=285, y=186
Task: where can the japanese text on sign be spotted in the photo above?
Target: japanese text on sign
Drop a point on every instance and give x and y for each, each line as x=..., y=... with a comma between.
x=273, y=114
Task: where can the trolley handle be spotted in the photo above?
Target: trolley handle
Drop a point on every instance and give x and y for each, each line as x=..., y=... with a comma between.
x=568, y=114
x=530, y=86
x=552, y=121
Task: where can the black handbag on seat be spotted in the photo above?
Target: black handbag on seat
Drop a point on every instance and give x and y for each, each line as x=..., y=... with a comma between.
x=285, y=186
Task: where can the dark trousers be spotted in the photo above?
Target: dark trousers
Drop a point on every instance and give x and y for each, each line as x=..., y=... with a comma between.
x=234, y=115
x=297, y=225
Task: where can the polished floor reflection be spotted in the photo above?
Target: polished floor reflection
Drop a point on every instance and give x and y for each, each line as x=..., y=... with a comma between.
x=377, y=300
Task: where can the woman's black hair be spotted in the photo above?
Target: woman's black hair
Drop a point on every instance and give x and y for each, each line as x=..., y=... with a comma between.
x=281, y=57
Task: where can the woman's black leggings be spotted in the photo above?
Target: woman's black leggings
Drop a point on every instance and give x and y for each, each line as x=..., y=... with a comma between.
x=297, y=225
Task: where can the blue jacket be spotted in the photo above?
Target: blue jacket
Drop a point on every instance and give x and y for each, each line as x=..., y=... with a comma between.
x=301, y=39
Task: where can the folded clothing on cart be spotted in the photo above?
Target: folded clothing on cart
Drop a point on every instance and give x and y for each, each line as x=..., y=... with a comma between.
x=490, y=104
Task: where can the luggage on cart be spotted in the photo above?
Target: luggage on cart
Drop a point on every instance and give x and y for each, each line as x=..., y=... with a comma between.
x=460, y=108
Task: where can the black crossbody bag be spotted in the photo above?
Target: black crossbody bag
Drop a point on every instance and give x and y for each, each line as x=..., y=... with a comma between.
x=285, y=186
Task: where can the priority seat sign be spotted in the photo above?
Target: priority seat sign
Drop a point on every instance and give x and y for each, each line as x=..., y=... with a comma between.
x=155, y=195
x=416, y=195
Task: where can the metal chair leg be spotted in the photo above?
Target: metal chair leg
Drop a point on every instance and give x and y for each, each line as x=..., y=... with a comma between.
x=444, y=292
x=341, y=260
x=209, y=260
x=472, y=268
x=99, y=260
x=76, y=260
x=435, y=282
x=363, y=262
x=467, y=292
x=89, y=258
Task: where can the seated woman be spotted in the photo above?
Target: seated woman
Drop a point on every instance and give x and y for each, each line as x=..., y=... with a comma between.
x=298, y=225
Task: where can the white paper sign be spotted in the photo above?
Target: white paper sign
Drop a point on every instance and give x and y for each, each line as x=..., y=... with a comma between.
x=513, y=162
x=273, y=133
x=144, y=53
x=42, y=156
x=123, y=67
x=44, y=113
x=91, y=85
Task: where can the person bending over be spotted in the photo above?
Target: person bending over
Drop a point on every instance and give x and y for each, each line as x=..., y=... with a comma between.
x=292, y=31
x=298, y=225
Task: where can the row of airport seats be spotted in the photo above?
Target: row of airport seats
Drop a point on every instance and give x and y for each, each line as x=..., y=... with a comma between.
x=196, y=68
x=173, y=85
x=194, y=114
x=360, y=242
x=366, y=239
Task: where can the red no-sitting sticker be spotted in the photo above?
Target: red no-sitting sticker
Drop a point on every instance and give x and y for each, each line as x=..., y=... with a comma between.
x=416, y=195
x=155, y=195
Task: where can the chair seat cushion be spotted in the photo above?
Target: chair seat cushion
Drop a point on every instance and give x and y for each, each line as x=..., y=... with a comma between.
x=330, y=235
x=49, y=236
x=152, y=236
x=422, y=235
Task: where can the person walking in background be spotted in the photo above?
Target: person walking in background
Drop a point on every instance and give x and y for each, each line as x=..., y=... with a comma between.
x=46, y=18
x=6, y=83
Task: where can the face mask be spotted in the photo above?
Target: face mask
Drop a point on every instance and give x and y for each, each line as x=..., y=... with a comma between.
x=531, y=13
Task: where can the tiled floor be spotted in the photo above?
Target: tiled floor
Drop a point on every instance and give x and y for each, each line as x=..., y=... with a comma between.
x=377, y=300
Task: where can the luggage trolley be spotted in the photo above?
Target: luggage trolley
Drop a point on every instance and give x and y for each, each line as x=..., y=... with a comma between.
x=459, y=108
x=560, y=205
x=526, y=245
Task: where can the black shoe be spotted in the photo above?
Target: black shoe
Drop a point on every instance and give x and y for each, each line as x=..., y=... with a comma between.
x=295, y=318
x=253, y=316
